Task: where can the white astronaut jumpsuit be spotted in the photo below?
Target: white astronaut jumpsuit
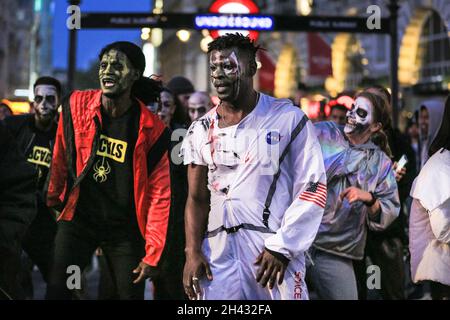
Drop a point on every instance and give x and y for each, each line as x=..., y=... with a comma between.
x=256, y=204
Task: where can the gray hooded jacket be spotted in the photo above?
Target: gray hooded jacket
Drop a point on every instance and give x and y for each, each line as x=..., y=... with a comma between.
x=343, y=229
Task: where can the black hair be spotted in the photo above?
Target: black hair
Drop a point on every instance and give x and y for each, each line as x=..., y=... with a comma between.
x=45, y=80
x=339, y=107
x=442, y=139
x=381, y=115
x=235, y=40
x=148, y=91
x=132, y=51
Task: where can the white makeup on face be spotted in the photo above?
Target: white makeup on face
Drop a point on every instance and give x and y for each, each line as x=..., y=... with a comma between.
x=45, y=100
x=360, y=117
x=226, y=72
x=232, y=65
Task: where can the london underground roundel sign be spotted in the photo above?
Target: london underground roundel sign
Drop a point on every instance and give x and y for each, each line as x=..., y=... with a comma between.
x=234, y=6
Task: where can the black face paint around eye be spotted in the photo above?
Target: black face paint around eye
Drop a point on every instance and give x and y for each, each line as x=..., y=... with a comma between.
x=358, y=118
x=362, y=113
x=45, y=103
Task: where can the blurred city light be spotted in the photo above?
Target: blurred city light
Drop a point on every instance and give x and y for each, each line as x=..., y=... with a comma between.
x=21, y=92
x=157, y=37
x=183, y=35
x=37, y=5
x=145, y=35
x=304, y=7
x=204, y=43
x=149, y=52
x=17, y=107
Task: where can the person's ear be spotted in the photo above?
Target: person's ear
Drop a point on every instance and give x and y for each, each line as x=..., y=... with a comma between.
x=375, y=127
x=136, y=74
x=253, y=68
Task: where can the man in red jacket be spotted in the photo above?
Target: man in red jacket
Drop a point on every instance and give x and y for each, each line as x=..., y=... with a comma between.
x=110, y=177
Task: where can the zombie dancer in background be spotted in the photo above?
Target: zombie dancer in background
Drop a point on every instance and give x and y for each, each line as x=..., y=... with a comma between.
x=259, y=220
x=429, y=225
x=35, y=134
x=361, y=191
x=199, y=104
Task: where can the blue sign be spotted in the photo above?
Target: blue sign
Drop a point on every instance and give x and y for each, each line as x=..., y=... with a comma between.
x=238, y=22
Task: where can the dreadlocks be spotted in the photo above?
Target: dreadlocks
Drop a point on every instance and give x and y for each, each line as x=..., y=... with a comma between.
x=235, y=40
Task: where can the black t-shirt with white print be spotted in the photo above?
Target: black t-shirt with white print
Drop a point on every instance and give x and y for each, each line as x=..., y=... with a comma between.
x=107, y=191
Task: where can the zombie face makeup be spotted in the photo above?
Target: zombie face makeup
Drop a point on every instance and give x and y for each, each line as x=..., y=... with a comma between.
x=45, y=102
x=226, y=74
x=360, y=117
x=167, y=108
x=198, y=105
x=116, y=74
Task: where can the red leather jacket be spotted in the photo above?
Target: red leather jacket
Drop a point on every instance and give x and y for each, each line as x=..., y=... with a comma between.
x=74, y=152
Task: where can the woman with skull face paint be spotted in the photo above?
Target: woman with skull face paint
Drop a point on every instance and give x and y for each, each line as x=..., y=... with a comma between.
x=361, y=191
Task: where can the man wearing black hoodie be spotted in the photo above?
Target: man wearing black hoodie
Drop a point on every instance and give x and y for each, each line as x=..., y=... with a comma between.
x=17, y=210
x=35, y=135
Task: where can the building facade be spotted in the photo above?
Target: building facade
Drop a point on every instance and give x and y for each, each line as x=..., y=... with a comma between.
x=15, y=22
x=353, y=60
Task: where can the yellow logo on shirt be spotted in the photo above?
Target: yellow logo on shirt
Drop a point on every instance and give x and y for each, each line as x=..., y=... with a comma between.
x=112, y=148
x=40, y=156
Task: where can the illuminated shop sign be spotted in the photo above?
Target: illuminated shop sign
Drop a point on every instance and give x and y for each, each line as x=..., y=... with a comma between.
x=234, y=22
x=237, y=7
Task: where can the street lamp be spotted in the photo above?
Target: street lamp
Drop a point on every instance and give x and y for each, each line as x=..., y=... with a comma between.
x=183, y=35
x=205, y=42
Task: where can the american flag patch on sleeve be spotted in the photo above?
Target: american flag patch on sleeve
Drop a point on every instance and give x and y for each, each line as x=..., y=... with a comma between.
x=316, y=193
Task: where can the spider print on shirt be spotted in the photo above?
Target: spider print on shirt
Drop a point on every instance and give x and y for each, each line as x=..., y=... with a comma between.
x=101, y=170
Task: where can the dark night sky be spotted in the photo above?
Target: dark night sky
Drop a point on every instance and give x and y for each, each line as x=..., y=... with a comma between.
x=91, y=41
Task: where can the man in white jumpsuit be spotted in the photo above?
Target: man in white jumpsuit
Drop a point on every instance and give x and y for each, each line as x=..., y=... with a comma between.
x=257, y=187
